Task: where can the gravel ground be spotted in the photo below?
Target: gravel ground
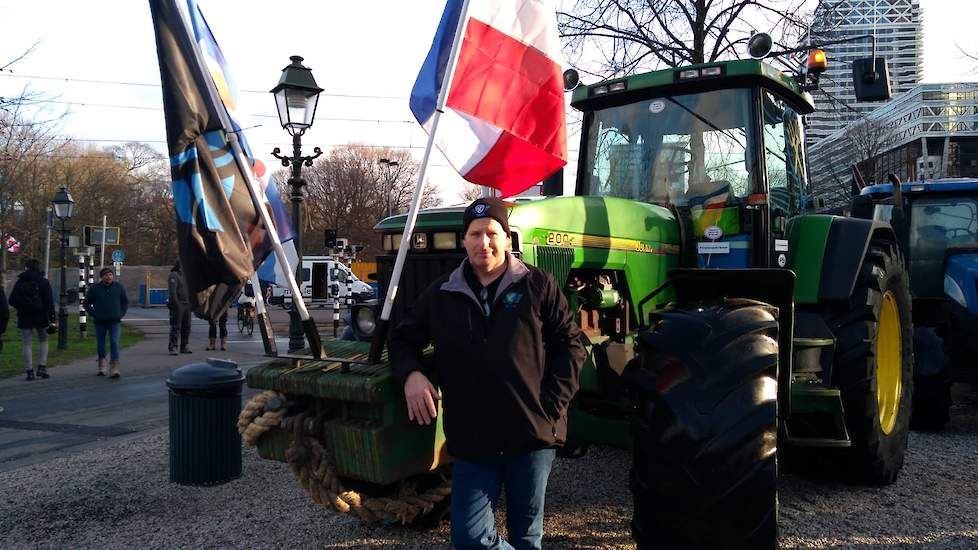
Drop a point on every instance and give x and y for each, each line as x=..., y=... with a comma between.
x=120, y=497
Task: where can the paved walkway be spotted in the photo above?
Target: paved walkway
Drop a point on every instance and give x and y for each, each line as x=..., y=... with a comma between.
x=76, y=410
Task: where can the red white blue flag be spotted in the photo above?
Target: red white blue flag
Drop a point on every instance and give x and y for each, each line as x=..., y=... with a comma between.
x=503, y=125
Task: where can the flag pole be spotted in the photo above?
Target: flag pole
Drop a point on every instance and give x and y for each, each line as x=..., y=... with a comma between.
x=308, y=324
x=380, y=336
x=261, y=315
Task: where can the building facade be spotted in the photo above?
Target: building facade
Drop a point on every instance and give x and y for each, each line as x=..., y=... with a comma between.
x=898, y=28
x=927, y=133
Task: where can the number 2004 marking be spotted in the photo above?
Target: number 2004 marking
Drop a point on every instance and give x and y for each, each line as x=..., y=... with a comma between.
x=559, y=239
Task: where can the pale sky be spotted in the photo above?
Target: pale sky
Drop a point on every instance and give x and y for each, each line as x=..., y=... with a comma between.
x=365, y=55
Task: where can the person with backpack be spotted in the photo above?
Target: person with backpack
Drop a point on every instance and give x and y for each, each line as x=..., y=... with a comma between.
x=107, y=303
x=32, y=299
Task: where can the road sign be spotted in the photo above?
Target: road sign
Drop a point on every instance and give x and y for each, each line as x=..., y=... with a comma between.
x=12, y=244
x=93, y=235
x=118, y=256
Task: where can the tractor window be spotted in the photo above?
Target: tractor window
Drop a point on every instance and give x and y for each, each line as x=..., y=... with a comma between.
x=784, y=141
x=883, y=212
x=690, y=149
x=936, y=224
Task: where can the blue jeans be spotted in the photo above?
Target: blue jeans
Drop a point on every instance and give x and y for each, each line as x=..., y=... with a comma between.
x=475, y=491
x=113, y=330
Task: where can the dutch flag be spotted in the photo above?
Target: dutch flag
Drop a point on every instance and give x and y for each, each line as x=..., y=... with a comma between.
x=503, y=123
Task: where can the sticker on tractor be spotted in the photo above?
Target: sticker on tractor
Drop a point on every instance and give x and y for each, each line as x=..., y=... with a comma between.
x=657, y=107
x=713, y=248
x=780, y=245
x=782, y=260
x=713, y=232
x=560, y=239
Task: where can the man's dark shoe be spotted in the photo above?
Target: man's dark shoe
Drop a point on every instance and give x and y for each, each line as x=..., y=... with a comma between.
x=30, y=374
x=185, y=350
x=173, y=351
x=42, y=372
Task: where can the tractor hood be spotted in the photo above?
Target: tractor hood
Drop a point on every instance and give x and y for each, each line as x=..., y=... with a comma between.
x=595, y=223
x=961, y=279
x=575, y=222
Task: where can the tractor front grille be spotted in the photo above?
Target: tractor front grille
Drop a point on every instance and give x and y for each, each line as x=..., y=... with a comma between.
x=420, y=270
x=557, y=260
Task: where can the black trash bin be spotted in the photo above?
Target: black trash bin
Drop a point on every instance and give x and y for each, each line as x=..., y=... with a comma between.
x=205, y=400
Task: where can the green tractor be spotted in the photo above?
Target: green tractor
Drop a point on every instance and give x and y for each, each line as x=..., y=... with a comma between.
x=723, y=322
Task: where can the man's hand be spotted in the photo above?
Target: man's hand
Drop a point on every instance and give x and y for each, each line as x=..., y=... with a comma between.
x=420, y=396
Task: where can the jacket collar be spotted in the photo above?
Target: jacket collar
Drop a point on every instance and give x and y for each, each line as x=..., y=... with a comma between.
x=515, y=271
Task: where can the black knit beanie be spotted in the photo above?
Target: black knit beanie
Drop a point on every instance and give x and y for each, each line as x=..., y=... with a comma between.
x=486, y=207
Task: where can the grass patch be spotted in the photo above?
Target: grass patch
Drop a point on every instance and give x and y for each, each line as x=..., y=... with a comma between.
x=12, y=362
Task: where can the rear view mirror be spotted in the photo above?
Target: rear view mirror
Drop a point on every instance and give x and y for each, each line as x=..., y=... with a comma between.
x=871, y=83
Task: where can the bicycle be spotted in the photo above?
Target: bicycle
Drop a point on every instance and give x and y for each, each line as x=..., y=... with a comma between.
x=246, y=318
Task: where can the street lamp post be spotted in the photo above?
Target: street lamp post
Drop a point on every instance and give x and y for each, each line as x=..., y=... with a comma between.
x=389, y=183
x=64, y=208
x=296, y=96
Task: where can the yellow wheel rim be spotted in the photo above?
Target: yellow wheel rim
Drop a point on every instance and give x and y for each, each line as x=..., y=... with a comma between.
x=889, y=363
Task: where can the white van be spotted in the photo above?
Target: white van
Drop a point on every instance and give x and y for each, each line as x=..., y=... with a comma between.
x=323, y=278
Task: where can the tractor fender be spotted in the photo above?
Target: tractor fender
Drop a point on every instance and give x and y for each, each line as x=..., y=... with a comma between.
x=826, y=253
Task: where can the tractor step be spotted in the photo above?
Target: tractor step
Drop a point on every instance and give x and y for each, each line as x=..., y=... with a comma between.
x=817, y=417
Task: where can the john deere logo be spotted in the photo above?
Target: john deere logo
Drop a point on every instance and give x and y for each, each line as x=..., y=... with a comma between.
x=480, y=209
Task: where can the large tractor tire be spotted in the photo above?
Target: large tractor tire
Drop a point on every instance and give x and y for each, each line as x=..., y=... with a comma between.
x=704, y=471
x=873, y=366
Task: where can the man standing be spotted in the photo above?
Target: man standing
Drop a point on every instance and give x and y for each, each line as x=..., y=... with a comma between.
x=507, y=355
x=32, y=299
x=107, y=303
x=179, y=305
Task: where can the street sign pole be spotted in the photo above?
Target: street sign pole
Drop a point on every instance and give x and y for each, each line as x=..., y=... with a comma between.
x=102, y=260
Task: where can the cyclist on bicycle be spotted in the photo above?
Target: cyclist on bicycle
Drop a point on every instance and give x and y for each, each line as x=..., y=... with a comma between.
x=246, y=301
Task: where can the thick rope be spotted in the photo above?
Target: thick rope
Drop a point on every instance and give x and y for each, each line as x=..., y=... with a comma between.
x=310, y=464
x=254, y=420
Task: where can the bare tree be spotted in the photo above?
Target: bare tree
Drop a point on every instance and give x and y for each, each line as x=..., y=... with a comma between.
x=25, y=147
x=349, y=190
x=470, y=192
x=864, y=144
x=623, y=36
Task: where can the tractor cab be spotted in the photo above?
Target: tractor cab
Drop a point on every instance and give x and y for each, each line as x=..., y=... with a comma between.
x=720, y=145
x=941, y=237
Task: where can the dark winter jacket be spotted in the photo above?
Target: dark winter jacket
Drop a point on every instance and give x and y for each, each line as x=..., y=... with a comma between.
x=177, y=291
x=107, y=304
x=18, y=300
x=4, y=311
x=506, y=379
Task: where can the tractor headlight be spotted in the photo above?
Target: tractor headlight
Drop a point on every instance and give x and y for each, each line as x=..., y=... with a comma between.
x=446, y=240
x=364, y=320
x=953, y=291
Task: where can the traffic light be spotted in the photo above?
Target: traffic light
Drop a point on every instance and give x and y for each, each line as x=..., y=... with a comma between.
x=330, y=238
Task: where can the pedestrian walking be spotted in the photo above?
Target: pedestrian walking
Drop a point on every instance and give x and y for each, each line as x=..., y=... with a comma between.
x=107, y=303
x=4, y=315
x=507, y=355
x=178, y=302
x=212, y=331
x=32, y=298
